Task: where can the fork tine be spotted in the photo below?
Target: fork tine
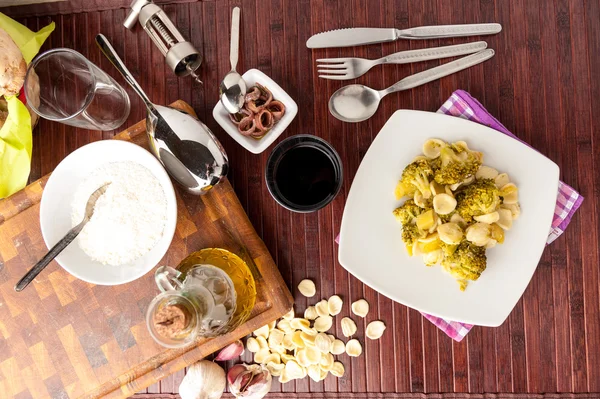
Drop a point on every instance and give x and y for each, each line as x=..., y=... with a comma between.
x=333, y=71
x=335, y=77
x=332, y=60
x=332, y=66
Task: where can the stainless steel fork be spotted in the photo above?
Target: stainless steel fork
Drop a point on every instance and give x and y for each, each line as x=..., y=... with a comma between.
x=350, y=68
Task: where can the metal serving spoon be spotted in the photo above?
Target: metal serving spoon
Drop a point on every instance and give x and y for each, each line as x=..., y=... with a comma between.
x=233, y=87
x=64, y=242
x=356, y=103
x=185, y=146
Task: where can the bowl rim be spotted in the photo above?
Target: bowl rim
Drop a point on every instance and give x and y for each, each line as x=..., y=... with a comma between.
x=159, y=172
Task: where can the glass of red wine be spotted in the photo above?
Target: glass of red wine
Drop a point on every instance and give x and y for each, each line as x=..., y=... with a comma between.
x=304, y=173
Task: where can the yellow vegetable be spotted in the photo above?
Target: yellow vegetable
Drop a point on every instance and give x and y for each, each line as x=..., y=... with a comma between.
x=425, y=220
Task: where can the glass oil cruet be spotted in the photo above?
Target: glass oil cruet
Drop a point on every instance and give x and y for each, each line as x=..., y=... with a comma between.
x=211, y=293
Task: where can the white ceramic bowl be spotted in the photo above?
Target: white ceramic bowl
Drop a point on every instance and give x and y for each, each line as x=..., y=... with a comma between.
x=252, y=77
x=55, y=210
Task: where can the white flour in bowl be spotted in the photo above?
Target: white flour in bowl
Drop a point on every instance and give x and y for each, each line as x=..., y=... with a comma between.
x=129, y=218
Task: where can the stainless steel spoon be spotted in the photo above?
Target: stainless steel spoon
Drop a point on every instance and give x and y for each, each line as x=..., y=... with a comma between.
x=233, y=87
x=185, y=146
x=356, y=103
x=64, y=242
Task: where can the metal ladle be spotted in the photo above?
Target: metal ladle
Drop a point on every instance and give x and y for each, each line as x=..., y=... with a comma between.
x=233, y=87
x=185, y=146
x=356, y=103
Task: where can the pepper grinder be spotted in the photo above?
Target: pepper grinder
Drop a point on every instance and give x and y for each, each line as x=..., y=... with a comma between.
x=181, y=55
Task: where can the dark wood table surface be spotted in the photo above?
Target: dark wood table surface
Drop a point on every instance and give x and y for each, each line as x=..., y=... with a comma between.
x=542, y=84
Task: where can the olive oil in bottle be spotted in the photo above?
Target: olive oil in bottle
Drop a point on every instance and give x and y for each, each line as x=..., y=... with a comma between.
x=222, y=287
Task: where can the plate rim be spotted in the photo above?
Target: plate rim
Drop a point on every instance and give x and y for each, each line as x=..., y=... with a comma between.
x=491, y=321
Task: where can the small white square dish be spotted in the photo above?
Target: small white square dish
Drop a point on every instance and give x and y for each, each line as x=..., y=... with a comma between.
x=256, y=146
x=371, y=246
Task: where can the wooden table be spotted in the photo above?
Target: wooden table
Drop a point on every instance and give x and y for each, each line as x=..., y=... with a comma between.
x=541, y=84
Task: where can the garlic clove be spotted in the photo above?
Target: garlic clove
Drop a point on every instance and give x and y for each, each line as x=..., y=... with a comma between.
x=334, y=305
x=331, y=337
x=307, y=288
x=231, y=351
x=337, y=369
x=348, y=327
x=360, y=308
x=262, y=332
x=323, y=323
x=254, y=382
x=205, y=379
x=289, y=315
x=322, y=308
x=272, y=324
x=338, y=347
x=322, y=343
x=353, y=348
x=310, y=313
x=252, y=345
x=375, y=329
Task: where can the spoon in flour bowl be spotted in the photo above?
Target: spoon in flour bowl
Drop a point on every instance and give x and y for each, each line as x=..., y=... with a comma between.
x=64, y=242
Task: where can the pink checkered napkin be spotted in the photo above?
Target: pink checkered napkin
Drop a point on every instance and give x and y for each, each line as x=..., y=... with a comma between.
x=461, y=104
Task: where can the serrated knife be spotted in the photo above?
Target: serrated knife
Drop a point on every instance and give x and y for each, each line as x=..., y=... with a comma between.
x=360, y=36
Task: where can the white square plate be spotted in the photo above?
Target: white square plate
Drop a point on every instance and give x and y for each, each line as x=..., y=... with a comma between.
x=252, y=77
x=371, y=246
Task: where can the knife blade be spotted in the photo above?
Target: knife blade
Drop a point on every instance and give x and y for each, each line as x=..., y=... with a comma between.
x=360, y=36
x=351, y=37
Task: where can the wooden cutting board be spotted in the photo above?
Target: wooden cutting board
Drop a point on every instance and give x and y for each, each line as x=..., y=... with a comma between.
x=62, y=337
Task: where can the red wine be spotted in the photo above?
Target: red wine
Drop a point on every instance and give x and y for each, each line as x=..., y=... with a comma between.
x=305, y=176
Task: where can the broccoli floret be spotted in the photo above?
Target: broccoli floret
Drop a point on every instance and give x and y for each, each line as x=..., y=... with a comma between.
x=408, y=212
x=448, y=249
x=457, y=164
x=410, y=233
x=416, y=176
x=467, y=262
x=477, y=199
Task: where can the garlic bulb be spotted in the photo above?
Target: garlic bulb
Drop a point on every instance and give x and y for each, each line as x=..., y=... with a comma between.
x=204, y=380
x=249, y=381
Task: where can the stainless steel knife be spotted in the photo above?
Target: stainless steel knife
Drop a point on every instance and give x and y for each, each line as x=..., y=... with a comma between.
x=360, y=36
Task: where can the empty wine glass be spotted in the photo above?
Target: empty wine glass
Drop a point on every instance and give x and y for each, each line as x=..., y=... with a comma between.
x=62, y=85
